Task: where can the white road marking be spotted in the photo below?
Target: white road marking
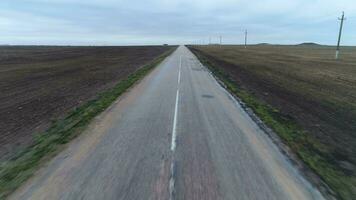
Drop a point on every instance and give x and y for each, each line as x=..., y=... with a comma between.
x=172, y=182
x=174, y=137
x=174, y=130
x=180, y=66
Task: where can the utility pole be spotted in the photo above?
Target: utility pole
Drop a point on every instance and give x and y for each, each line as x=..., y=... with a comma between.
x=245, y=38
x=209, y=40
x=220, y=39
x=339, y=38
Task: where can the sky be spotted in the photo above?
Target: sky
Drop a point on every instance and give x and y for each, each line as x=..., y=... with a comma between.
x=146, y=22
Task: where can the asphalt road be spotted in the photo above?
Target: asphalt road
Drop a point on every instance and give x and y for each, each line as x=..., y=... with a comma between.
x=176, y=135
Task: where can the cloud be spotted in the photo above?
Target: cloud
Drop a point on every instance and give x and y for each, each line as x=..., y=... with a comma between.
x=173, y=21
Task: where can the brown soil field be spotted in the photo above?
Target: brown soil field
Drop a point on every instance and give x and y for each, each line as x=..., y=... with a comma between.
x=307, y=86
x=40, y=84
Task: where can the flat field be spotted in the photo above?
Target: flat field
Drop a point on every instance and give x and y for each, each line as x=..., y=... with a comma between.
x=305, y=95
x=40, y=84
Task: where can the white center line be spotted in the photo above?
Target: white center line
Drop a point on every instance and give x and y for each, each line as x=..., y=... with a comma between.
x=174, y=137
x=174, y=131
x=180, y=66
x=172, y=182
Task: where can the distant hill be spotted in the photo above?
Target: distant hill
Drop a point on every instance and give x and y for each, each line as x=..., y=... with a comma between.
x=309, y=44
x=263, y=44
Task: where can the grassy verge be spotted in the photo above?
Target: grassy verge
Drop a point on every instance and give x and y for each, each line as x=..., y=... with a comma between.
x=46, y=145
x=306, y=147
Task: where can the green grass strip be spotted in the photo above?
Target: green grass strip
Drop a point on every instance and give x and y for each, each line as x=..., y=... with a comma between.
x=46, y=145
x=309, y=150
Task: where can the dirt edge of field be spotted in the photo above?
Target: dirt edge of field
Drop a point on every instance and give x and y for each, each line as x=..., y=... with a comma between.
x=21, y=167
x=302, y=167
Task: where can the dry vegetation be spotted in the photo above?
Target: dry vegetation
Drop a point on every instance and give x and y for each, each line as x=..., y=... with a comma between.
x=305, y=95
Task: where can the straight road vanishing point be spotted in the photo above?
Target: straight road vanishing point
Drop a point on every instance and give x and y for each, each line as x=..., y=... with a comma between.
x=176, y=135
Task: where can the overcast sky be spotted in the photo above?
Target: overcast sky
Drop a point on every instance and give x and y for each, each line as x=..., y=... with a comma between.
x=131, y=22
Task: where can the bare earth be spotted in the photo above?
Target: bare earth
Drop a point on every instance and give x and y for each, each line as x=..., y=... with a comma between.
x=39, y=84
